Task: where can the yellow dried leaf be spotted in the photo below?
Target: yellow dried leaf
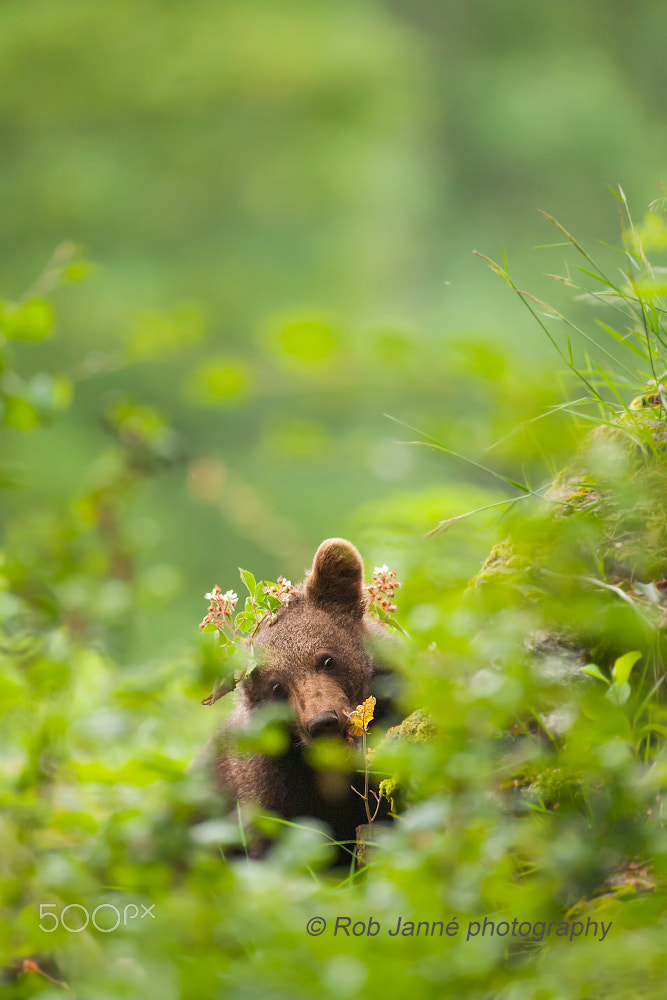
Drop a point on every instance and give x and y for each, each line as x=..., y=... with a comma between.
x=361, y=716
x=354, y=726
x=367, y=709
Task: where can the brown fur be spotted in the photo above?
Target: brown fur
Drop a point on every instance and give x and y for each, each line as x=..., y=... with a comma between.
x=316, y=652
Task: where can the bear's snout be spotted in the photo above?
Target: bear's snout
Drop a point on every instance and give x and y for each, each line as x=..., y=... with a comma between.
x=325, y=724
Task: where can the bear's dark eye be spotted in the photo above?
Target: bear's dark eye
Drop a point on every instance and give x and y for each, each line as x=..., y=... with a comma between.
x=326, y=662
x=278, y=691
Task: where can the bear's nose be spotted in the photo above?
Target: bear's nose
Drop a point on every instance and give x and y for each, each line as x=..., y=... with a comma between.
x=325, y=724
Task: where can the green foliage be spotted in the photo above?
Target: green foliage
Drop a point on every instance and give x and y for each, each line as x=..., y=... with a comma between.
x=259, y=180
x=235, y=630
x=527, y=779
x=282, y=199
x=26, y=403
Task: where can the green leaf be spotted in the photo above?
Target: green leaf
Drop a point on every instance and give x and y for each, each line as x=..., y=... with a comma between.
x=31, y=321
x=619, y=695
x=393, y=623
x=19, y=412
x=249, y=581
x=623, y=667
x=79, y=271
x=251, y=662
x=594, y=671
x=220, y=382
x=624, y=339
x=308, y=340
x=245, y=621
x=652, y=727
x=209, y=627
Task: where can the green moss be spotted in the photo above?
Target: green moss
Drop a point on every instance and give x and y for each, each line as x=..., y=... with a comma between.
x=503, y=565
x=417, y=727
x=575, y=493
x=390, y=789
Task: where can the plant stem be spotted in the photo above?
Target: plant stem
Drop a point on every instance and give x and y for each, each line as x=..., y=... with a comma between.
x=368, y=811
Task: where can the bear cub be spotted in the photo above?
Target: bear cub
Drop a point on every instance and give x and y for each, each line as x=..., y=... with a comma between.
x=315, y=657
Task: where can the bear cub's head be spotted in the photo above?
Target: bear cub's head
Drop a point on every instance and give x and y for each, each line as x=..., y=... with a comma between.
x=314, y=655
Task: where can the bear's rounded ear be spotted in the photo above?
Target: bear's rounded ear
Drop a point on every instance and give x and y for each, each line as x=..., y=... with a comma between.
x=337, y=577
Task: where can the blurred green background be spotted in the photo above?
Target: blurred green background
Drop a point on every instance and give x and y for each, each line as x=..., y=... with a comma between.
x=281, y=201
x=237, y=239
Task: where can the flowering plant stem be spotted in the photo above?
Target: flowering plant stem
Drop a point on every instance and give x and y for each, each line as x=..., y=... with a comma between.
x=360, y=719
